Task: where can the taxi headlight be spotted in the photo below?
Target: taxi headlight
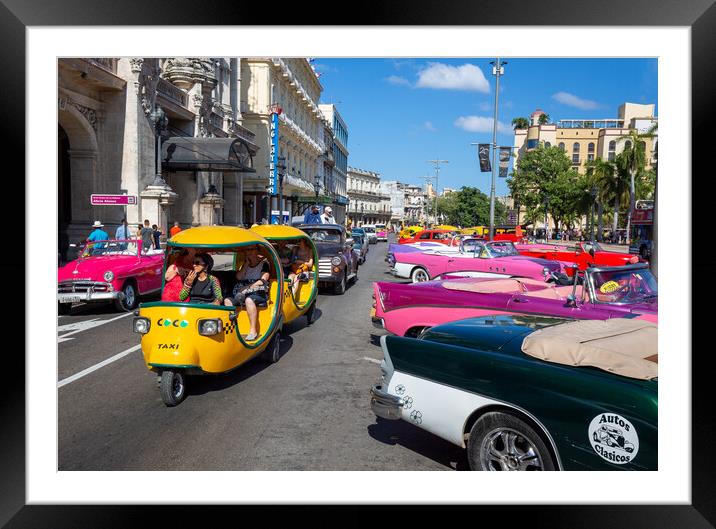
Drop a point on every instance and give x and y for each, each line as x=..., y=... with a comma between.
x=108, y=275
x=336, y=261
x=141, y=325
x=210, y=327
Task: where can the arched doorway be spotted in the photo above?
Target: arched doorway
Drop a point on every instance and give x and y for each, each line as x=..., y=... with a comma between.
x=64, y=191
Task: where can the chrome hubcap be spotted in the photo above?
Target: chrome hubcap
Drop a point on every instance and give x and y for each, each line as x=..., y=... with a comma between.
x=507, y=449
x=420, y=276
x=129, y=295
x=177, y=386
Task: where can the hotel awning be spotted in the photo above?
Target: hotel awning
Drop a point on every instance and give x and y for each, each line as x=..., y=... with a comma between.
x=208, y=154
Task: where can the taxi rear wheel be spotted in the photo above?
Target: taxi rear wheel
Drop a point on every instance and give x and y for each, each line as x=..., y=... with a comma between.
x=172, y=387
x=273, y=351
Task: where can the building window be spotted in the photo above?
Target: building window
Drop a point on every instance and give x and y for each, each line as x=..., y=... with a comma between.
x=561, y=146
x=590, y=152
x=531, y=144
x=612, y=154
x=547, y=144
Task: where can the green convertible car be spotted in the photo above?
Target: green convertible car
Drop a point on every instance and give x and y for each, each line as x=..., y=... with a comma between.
x=529, y=392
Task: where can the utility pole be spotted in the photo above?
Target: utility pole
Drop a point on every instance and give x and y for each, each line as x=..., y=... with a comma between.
x=427, y=180
x=497, y=71
x=437, y=173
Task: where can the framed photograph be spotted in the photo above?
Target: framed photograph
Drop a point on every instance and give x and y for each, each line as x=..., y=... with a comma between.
x=51, y=474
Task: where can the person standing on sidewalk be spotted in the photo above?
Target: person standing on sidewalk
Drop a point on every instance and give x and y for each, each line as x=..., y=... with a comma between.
x=174, y=229
x=327, y=217
x=147, y=235
x=312, y=216
x=122, y=234
x=157, y=237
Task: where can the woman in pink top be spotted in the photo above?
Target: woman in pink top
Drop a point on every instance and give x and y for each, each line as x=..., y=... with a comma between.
x=175, y=274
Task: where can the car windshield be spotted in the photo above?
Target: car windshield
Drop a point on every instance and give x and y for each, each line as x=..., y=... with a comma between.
x=472, y=246
x=369, y=229
x=624, y=286
x=592, y=245
x=501, y=249
x=107, y=248
x=325, y=235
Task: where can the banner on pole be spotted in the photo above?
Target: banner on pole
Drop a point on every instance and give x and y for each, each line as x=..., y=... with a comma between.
x=505, y=153
x=483, y=153
x=273, y=154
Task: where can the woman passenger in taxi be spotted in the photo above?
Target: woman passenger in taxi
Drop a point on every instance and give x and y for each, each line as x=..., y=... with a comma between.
x=175, y=274
x=301, y=265
x=199, y=285
x=251, y=289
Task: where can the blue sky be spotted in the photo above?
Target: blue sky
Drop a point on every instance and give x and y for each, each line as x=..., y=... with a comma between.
x=402, y=112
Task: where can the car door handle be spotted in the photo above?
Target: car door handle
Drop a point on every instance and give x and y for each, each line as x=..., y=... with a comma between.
x=520, y=300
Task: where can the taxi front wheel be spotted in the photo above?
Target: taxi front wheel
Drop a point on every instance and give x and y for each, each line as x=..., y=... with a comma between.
x=172, y=387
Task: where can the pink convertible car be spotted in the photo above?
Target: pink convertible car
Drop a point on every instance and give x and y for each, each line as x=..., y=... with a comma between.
x=608, y=292
x=115, y=271
x=480, y=259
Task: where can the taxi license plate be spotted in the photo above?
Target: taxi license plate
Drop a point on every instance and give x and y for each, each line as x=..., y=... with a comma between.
x=71, y=299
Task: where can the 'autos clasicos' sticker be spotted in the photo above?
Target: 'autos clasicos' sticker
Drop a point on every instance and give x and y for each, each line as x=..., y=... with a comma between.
x=613, y=438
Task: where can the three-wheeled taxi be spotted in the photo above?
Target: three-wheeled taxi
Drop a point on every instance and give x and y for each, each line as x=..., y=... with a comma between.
x=293, y=247
x=189, y=338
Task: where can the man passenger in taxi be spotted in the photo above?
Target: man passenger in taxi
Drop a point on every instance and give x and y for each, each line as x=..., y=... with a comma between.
x=251, y=289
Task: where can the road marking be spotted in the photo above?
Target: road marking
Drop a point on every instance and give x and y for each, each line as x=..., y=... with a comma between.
x=95, y=367
x=374, y=360
x=85, y=325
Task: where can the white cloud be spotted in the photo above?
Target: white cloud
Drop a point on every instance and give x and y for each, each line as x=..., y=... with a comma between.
x=429, y=126
x=573, y=101
x=397, y=80
x=446, y=77
x=481, y=124
x=485, y=106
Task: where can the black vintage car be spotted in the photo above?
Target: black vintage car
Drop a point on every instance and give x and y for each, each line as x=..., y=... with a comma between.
x=337, y=260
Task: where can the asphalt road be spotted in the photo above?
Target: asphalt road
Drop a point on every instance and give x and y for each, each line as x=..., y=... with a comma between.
x=309, y=411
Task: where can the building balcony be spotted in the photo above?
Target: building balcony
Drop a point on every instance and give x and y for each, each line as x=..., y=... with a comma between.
x=173, y=93
x=107, y=63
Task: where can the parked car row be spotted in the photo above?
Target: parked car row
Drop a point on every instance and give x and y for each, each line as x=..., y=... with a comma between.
x=534, y=359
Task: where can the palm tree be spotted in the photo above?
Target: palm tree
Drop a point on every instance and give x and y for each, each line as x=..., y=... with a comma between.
x=520, y=123
x=633, y=160
x=602, y=172
x=612, y=186
x=543, y=119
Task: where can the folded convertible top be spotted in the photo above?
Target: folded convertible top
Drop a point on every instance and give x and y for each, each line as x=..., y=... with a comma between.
x=621, y=346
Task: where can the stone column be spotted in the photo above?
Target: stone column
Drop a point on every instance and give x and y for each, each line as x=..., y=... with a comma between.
x=82, y=167
x=155, y=202
x=209, y=209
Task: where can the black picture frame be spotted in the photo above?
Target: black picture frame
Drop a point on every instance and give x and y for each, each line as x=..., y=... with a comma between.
x=700, y=16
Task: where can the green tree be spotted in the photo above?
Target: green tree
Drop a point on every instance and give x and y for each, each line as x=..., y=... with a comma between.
x=633, y=160
x=469, y=207
x=602, y=172
x=520, y=123
x=544, y=181
x=614, y=188
x=543, y=119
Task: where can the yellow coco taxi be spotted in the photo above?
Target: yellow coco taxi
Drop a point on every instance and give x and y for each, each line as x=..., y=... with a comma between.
x=299, y=258
x=189, y=338
x=410, y=231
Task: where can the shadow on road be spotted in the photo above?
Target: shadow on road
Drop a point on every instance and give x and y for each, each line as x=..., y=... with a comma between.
x=203, y=384
x=419, y=441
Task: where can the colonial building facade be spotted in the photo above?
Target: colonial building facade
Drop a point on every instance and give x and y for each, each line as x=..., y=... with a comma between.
x=367, y=204
x=111, y=111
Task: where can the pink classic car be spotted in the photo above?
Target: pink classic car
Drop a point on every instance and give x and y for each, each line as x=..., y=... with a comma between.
x=479, y=259
x=115, y=271
x=610, y=292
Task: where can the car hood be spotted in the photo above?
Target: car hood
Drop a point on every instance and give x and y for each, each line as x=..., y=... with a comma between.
x=328, y=249
x=491, y=333
x=93, y=269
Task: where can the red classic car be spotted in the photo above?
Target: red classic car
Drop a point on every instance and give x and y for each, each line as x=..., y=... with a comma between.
x=585, y=254
x=441, y=236
x=117, y=271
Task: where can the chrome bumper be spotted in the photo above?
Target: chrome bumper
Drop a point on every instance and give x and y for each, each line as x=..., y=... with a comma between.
x=377, y=322
x=78, y=297
x=384, y=404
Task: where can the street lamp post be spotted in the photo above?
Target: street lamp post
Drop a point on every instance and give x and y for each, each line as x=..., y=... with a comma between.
x=160, y=120
x=497, y=71
x=437, y=174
